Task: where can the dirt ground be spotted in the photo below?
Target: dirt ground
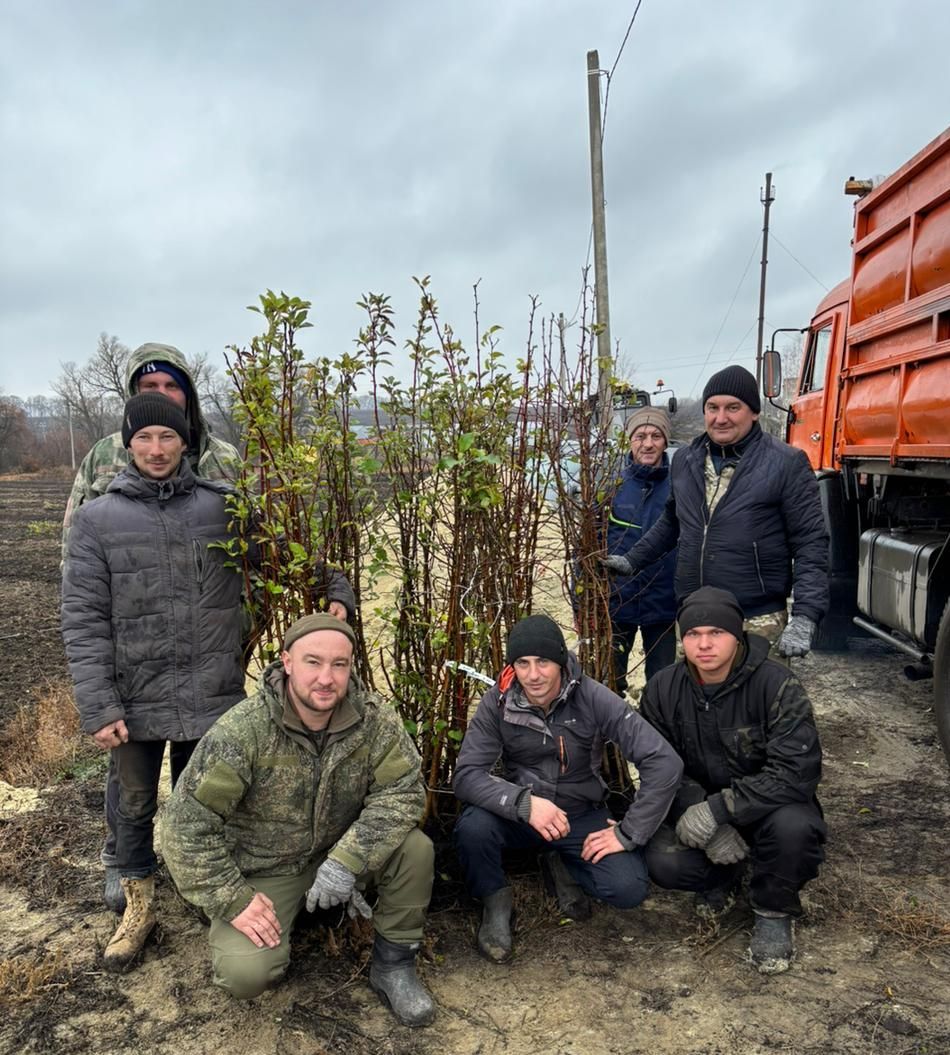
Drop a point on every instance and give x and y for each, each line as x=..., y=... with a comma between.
x=871, y=977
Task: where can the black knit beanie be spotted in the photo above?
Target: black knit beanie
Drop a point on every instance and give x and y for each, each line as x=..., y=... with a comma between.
x=151, y=410
x=734, y=381
x=709, y=606
x=537, y=635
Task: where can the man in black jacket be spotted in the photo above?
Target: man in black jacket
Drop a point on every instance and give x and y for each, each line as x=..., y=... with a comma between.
x=744, y=509
x=547, y=722
x=745, y=731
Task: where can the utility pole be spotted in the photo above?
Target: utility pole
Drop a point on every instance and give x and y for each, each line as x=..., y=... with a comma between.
x=767, y=198
x=602, y=301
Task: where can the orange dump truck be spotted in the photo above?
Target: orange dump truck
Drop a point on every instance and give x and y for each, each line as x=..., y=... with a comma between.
x=872, y=411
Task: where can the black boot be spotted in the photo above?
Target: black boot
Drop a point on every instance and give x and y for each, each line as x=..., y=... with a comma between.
x=392, y=974
x=494, y=933
x=571, y=899
x=771, y=947
x=113, y=895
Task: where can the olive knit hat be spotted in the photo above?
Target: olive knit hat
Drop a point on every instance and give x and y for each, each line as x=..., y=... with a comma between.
x=308, y=624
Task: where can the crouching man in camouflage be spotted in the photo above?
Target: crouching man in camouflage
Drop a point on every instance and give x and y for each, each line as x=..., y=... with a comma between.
x=303, y=793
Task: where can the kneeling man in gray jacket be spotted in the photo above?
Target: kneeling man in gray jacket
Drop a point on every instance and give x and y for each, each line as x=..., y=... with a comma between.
x=547, y=721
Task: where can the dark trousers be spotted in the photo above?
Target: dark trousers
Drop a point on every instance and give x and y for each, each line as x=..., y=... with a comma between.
x=786, y=848
x=132, y=801
x=659, y=646
x=480, y=838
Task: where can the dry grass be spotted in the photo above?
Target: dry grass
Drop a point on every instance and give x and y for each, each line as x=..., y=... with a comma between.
x=43, y=740
x=24, y=979
x=920, y=920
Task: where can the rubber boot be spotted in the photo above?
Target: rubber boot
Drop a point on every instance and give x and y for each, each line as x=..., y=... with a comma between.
x=771, y=947
x=715, y=903
x=494, y=932
x=113, y=895
x=137, y=923
x=392, y=974
x=571, y=899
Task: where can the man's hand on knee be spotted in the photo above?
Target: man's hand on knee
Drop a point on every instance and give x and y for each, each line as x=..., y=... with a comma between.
x=259, y=922
x=548, y=820
x=598, y=845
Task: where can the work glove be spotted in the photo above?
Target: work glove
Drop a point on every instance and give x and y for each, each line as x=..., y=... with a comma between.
x=797, y=637
x=726, y=847
x=336, y=885
x=697, y=826
x=617, y=565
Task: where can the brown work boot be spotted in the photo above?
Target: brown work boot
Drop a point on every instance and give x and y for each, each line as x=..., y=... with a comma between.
x=137, y=923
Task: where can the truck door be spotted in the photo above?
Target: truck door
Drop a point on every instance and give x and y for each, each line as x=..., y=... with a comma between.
x=807, y=430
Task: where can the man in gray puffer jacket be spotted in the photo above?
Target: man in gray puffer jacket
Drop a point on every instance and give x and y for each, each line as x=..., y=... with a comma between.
x=152, y=623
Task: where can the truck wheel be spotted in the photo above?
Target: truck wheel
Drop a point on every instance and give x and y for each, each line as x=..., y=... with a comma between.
x=942, y=681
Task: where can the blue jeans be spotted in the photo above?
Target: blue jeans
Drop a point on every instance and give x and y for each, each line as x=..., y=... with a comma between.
x=480, y=838
x=137, y=766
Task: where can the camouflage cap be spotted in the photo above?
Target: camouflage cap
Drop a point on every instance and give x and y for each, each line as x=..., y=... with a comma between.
x=309, y=624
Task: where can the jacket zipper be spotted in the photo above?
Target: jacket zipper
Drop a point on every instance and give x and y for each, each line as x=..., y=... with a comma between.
x=196, y=550
x=758, y=570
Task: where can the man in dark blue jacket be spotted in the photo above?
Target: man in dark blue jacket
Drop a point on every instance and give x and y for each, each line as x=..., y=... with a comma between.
x=745, y=510
x=645, y=602
x=547, y=722
x=744, y=728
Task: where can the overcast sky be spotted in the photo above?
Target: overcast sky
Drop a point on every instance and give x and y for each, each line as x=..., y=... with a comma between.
x=164, y=163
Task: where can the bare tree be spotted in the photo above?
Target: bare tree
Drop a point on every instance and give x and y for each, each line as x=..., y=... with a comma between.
x=108, y=368
x=14, y=433
x=217, y=395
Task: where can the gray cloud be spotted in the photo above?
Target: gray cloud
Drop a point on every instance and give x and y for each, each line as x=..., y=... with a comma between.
x=165, y=163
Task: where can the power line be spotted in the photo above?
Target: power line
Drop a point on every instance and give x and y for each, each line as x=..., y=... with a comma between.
x=725, y=317
x=603, y=129
x=800, y=264
x=610, y=74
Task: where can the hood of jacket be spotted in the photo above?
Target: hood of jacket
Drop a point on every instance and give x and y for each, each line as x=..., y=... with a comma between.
x=166, y=353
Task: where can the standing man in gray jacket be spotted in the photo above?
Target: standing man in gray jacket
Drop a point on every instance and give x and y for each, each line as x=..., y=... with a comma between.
x=547, y=722
x=152, y=623
x=159, y=370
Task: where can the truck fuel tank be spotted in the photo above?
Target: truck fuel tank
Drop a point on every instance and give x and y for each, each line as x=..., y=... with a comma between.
x=896, y=570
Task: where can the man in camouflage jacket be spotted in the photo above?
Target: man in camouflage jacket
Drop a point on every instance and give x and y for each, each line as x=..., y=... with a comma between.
x=305, y=792
x=161, y=369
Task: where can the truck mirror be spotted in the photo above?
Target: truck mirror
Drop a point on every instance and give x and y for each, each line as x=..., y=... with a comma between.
x=771, y=374
x=672, y=404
